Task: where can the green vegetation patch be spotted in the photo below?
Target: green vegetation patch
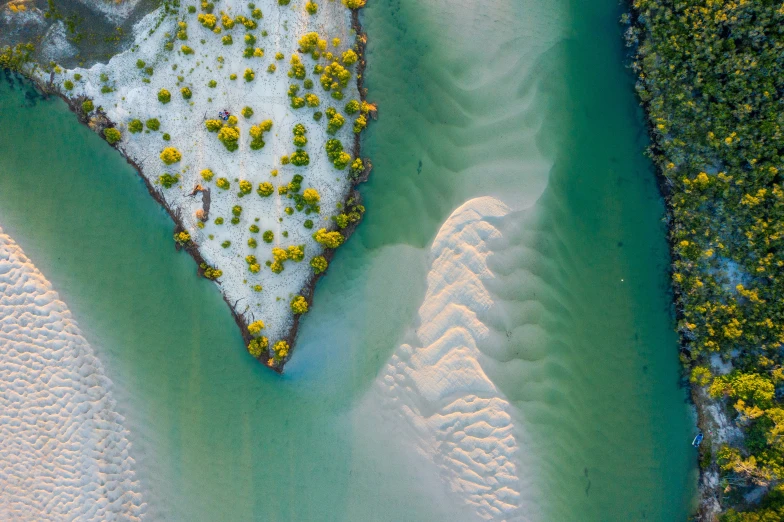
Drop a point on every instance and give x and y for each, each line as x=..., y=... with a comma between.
x=711, y=74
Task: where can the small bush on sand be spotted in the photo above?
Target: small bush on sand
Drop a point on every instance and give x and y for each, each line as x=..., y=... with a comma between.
x=299, y=305
x=319, y=264
x=170, y=155
x=265, y=189
x=167, y=180
x=112, y=135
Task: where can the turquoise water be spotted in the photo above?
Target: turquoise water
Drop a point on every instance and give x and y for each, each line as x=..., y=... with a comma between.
x=525, y=102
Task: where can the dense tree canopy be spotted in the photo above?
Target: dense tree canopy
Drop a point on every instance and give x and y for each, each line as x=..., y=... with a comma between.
x=711, y=74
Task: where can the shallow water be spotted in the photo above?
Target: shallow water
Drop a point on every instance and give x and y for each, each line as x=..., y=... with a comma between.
x=527, y=102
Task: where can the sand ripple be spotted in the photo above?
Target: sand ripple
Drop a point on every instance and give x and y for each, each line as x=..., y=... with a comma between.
x=64, y=453
x=464, y=423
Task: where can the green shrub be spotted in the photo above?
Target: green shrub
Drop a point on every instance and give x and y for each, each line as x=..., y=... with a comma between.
x=265, y=189
x=312, y=100
x=153, y=124
x=236, y=210
x=299, y=305
x=308, y=223
x=352, y=107
x=300, y=158
x=354, y=4
x=319, y=264
x=311, y=8
x=342, y=161
x=167, y=180
x=68, y=84
x=186, y=50
x=112, y=135
x=223, y=183
x=170, y=155
x=210, y=272
x=229, y=137
x=249, y=75
x=186, y=93
x=311, y=196
x=207, y=20
x=213, y=125
x=254, y=229
x=350, y=57
x=247, y=112
x=257, y=346
x=212, y=84
x=226, y=244
x=255, y=327
x=135, y=126
x=182, y=238
x=268, y=236
x=335, y=123
x=357, y=168
x=257, y=134
x=164, y=96
x=87, y=106
x=329, y=239
x=218, y=220
x=359, y=124
x=297, y=69
x=165, y=136
x=281, y=348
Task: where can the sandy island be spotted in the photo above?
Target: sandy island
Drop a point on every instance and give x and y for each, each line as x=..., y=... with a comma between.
x=244, y=122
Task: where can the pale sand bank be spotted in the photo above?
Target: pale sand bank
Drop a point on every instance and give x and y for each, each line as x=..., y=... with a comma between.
x=65, y=454
x=455, y=415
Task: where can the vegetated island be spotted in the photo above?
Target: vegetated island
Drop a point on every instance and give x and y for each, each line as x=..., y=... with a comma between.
x=244, y=121
x=711, y=78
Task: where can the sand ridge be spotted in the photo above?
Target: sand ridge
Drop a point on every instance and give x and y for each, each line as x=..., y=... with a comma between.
x=462, y=421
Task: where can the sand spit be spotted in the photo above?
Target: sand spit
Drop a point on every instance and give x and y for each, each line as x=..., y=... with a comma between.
x=65, y=454
x=215, y=72
x=461, y=420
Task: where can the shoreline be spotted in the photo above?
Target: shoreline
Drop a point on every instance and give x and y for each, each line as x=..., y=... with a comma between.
x=708, y=492
x=100, y=121
x=308, y=290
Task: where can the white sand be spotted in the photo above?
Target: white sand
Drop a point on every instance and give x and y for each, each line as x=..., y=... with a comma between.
x=64, y=454
x=183, y=120
x=461, y=420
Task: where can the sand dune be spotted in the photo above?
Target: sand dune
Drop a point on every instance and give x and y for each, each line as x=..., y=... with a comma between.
x=461, y=421
x=64, y=454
